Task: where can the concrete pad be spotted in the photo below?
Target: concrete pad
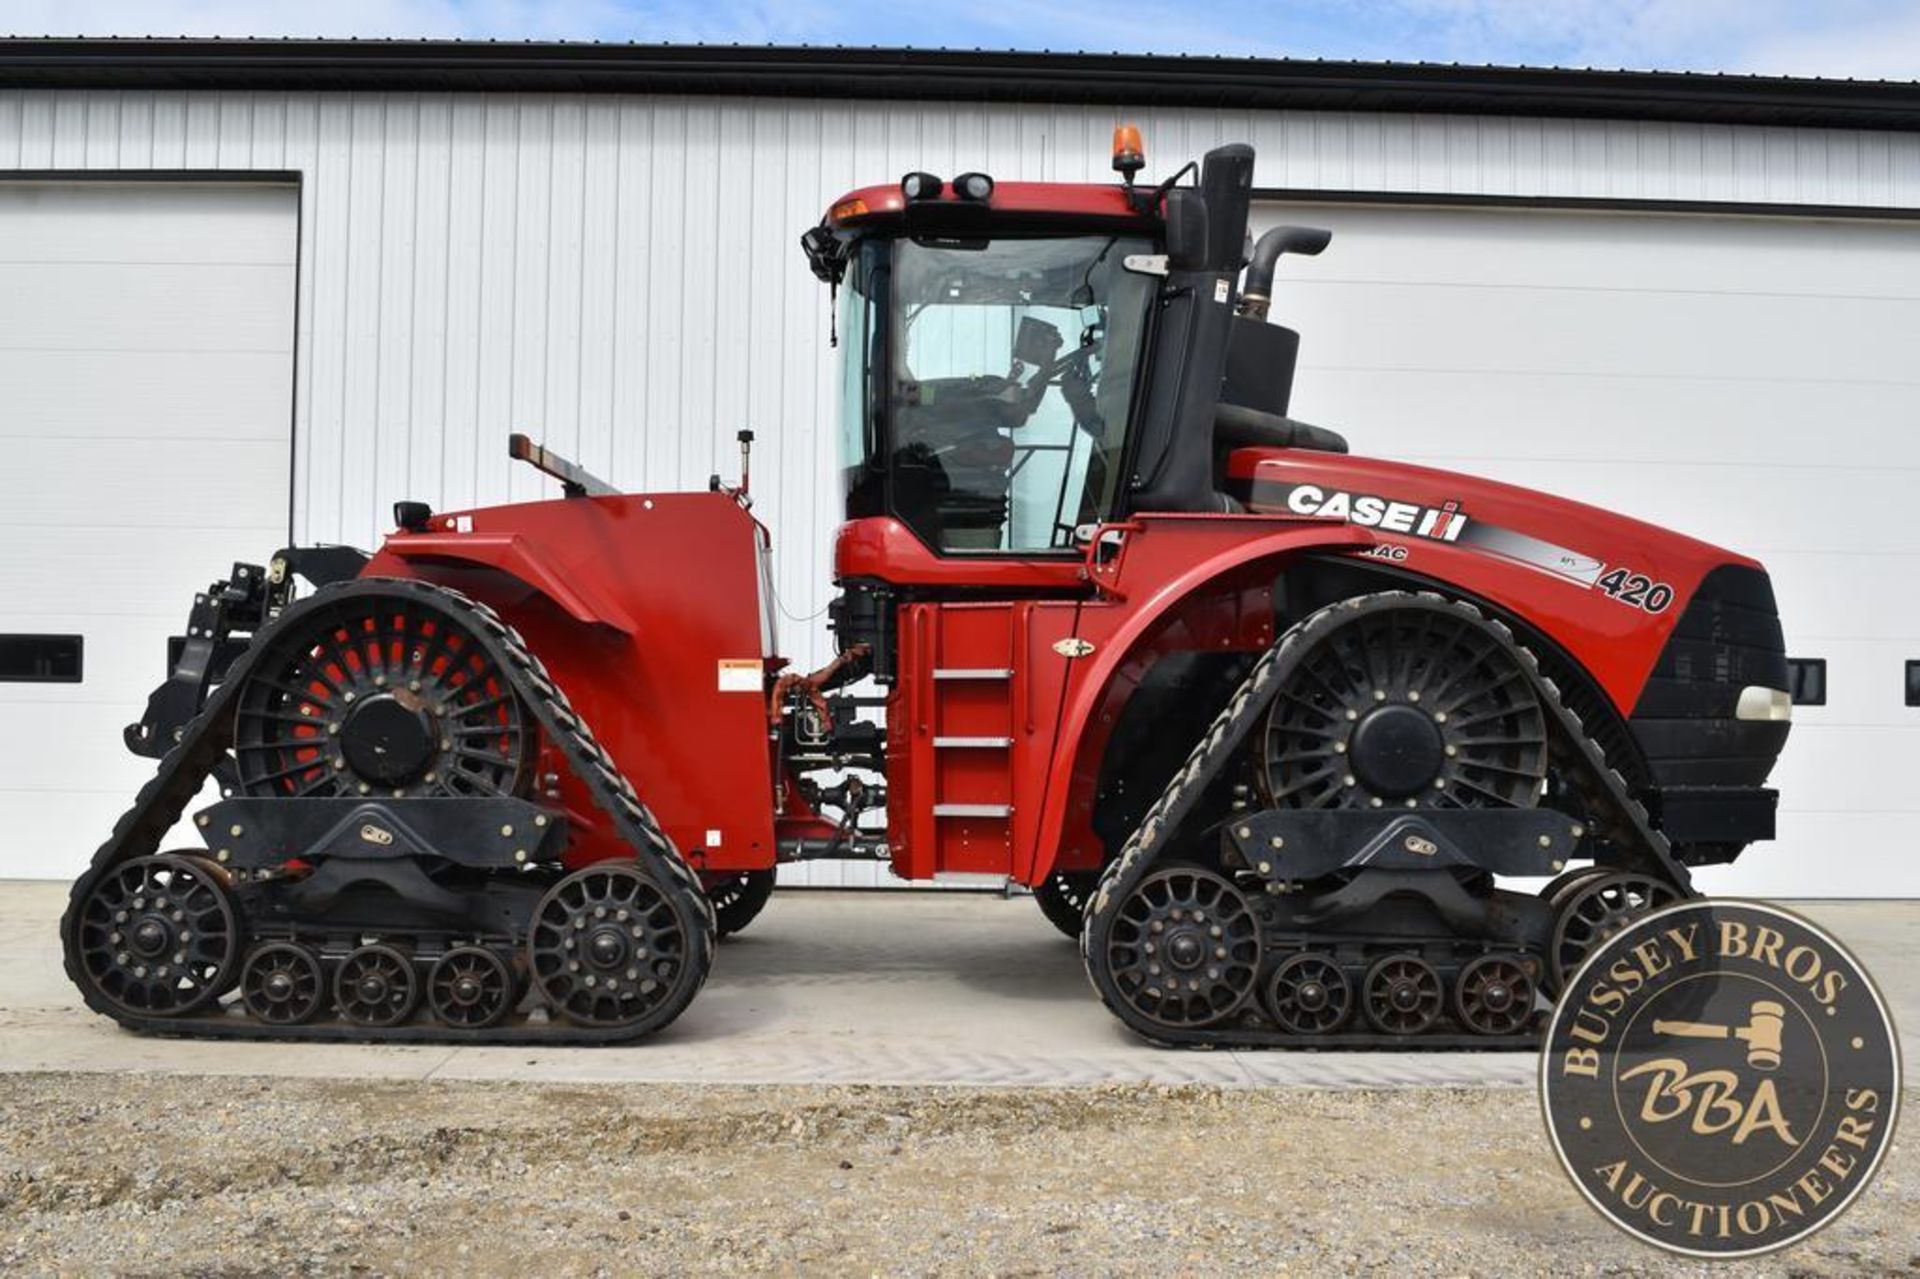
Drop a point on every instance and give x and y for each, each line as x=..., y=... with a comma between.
x=834, y=987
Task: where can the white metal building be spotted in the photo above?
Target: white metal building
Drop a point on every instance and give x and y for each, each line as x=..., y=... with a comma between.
x=252, y=290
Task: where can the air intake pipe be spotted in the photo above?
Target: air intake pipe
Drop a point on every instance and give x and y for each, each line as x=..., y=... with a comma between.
x=1257, y=291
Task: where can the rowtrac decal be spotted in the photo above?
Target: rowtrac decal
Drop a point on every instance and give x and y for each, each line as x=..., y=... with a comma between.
x=1448, y=523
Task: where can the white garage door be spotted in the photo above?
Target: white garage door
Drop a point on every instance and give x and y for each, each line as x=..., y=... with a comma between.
x=146, y=378
x=1750, y=381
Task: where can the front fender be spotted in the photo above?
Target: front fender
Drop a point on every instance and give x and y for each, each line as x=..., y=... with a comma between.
x=1172, y=567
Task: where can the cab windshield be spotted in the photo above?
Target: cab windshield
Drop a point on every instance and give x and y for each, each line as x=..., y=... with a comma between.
x=988, y=385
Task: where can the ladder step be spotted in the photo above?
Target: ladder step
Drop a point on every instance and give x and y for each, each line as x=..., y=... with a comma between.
x=943, y=743
x=973, y=810
x=958, y=672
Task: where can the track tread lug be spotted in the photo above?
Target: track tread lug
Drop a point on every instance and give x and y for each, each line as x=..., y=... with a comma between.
x=182, y=770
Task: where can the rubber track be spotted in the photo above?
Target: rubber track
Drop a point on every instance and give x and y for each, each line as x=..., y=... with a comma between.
x=186, y=767
x=1627, y=832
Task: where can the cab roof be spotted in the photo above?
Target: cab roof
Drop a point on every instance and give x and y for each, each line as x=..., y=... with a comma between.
x=1036, y=205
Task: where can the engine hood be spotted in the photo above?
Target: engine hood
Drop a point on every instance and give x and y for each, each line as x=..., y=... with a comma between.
x=1612, y=585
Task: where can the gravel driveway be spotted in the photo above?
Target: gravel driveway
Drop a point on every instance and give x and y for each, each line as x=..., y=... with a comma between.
x=119, y=1174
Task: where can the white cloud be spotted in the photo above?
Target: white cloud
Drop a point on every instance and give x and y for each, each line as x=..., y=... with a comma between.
x=1886, y=49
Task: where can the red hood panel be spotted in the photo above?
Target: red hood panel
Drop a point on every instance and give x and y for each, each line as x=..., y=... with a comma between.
x=1607, y=587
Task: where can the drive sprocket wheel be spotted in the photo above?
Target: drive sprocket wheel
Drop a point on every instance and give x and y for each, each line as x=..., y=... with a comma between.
x=471, y=987
x=1402, y=995
x=1493, y=995
x=1309, y=995
x=1185, y=947
x=283, y=984
x=1404, y=701
x=1596, y=908
x=157, y=936
x=611, y=947
x=738, y=899
x=384, y=692
x=376, y=986
x=1063, y=898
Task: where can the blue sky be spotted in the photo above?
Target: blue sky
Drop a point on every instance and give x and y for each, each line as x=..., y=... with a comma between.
x=1859, y=38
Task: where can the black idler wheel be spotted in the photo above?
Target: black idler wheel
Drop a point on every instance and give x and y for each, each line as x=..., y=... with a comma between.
x=1594, y=909
x=1403, y=995
x=738, y=899
x=283, y=983
x=375, y=986
x=471, y=987
x=1185, y=947
x=1566, y=881
x=1405, y=703
x=1493, y=995
x=382, y=693
x=609, y=947
x=157, y=936
x=1309, y=995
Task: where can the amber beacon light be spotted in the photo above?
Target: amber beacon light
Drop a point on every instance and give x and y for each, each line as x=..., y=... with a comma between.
x=1129, y=156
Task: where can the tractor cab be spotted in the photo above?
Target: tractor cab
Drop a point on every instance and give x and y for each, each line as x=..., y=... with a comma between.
x=990, y=356
x=1020, y=362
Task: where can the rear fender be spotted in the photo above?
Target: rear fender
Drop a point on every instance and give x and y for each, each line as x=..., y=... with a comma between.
x=519, y=557
x=1202, y=572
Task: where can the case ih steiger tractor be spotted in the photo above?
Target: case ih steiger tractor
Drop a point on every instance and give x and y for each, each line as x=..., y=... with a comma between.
x=1273, y=729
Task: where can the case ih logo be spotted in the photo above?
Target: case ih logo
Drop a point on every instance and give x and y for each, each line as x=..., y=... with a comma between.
x=1443, y=523
x=1720, y=1079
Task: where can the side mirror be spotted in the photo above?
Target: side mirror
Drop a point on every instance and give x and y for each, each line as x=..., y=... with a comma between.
x=1186, y=216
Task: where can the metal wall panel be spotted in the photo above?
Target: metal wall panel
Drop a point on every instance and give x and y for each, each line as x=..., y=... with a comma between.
x=618, y=276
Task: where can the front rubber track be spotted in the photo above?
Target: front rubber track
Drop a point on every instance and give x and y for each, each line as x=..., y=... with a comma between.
x=1629, y=836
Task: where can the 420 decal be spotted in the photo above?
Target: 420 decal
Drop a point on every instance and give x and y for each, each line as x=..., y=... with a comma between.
x=1636, y=590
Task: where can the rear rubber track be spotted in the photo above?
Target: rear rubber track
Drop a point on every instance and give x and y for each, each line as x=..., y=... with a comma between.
x=1624, y=835
x=205, y=742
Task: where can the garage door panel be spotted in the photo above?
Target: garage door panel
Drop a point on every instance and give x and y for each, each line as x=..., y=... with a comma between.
x=129, y=484
x=141, y=307
x=1823, y=854
x=52, y=834
x=120, y=664
x=1843, y=768
x=1834, y=597
x=1588, y=331
x=142, y=458
x=1469, y=415
x=148, y=571
x=1748, y=381
x=1628, y=251
x=173, y=395
x=141, y=222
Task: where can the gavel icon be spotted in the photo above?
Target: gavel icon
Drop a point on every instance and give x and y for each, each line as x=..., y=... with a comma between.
x=1762, y=1032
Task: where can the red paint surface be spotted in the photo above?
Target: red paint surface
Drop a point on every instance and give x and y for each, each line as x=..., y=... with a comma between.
x=1617, y=643
x=680, y=570
x=632, y=602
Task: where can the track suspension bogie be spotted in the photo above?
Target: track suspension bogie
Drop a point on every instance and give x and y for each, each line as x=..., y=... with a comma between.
x=384, y=867
x=1406, y=753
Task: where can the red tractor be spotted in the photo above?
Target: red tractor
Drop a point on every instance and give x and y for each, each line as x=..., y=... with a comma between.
x=1271, y=728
